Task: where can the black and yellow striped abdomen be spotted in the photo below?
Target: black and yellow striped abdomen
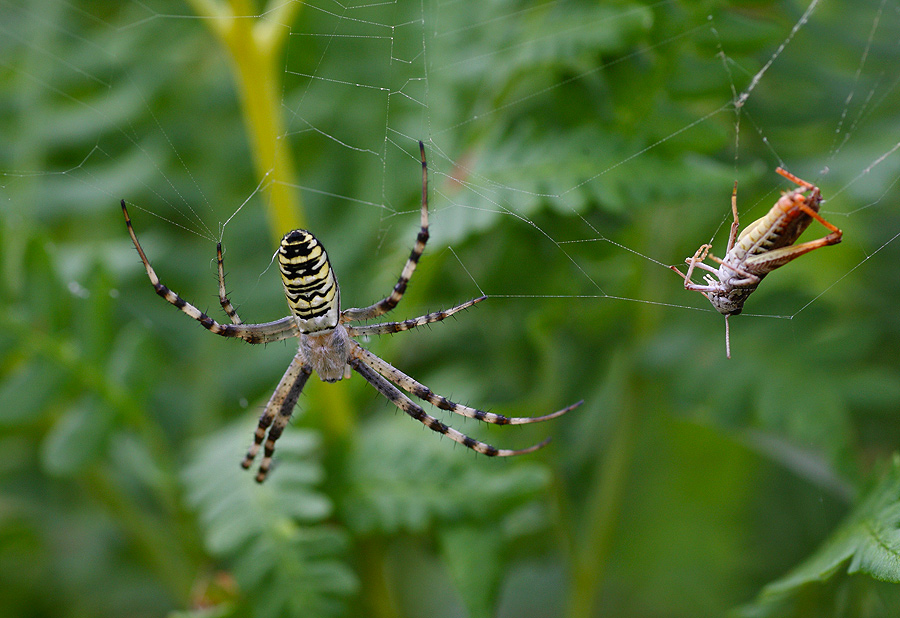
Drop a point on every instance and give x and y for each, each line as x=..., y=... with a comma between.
x=309, y=283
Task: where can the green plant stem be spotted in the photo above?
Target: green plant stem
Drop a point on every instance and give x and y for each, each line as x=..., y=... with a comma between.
x=590, y=554
x=171, y=554
x=378, y=589
x=254, y=45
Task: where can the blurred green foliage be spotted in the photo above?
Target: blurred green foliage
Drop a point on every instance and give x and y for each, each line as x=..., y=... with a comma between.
x=575, y=149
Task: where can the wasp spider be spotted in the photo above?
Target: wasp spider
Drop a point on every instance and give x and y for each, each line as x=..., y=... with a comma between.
x=326, y=344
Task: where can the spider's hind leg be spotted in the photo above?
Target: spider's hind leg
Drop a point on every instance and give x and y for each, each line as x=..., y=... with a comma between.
x=414, y=410
x=388, y=303
x=276, y=416
x=417, y=389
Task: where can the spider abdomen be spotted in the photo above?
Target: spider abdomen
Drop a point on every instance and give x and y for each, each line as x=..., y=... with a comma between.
x=309, y=283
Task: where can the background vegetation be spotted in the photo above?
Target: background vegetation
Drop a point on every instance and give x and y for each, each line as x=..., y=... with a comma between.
x=685, y=486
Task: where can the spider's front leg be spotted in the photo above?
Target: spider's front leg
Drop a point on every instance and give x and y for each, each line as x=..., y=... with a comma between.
x=223, y=295
x=388, y=303
x=284, y=328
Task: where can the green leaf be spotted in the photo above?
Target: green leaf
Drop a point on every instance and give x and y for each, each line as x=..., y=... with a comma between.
x=867, y=542
x=218, y=611
x=27, y=391
x=77, y=437
x=477, y=507
x=422, y=480
x=286, y=558
x=473, y=559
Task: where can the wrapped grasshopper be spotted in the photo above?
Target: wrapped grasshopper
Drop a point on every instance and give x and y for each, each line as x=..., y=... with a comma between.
x=763, y=246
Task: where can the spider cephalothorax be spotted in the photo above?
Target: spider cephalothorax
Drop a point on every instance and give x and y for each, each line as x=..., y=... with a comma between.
x=327, y=347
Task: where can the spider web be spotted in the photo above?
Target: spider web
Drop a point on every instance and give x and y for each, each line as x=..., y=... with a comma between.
x=486, y=169
x=575, y=152
x=855, y=152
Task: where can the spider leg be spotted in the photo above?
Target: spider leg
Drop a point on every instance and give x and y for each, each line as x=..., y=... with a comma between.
x=223, y=295
x=396, y=327
x=421, y=391
x=284, y=328
x=276, y=415
x=414, y=410
x=386, y=304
